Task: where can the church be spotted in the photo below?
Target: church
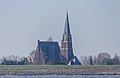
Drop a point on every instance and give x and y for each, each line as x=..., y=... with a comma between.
x=50, y=53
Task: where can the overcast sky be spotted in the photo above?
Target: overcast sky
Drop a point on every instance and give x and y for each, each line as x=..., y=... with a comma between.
x=95, y=25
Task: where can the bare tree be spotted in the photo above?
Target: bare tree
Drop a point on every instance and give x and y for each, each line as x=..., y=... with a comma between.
x=94, y=60
x=103, y=58
x=85, y=60
x=38, y=57
x=31, y=56
x=116, y=60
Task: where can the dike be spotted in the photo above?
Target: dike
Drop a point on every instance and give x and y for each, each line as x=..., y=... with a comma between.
x=59, y=70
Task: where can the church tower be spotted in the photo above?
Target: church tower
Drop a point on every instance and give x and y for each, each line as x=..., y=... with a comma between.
x=66, y=43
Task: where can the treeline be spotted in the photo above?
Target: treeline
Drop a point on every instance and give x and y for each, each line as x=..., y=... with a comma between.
x=14, y=60
x=17, y=60
x=100, y=59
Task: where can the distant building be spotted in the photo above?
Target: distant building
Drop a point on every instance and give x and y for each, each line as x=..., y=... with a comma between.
x=49, y=52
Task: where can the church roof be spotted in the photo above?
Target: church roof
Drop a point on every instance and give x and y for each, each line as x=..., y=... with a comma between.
x=74, y=61
x=51, y=50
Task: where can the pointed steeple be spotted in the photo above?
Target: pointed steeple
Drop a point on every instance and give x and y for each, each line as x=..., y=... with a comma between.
x=66, y=44
x=67, y=28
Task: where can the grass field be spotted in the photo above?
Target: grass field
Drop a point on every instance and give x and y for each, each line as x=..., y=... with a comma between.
x=59, y=69
x=57, y=66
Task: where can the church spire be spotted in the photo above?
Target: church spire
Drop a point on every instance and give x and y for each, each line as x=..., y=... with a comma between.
x=66, y=44
x=67, y=28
